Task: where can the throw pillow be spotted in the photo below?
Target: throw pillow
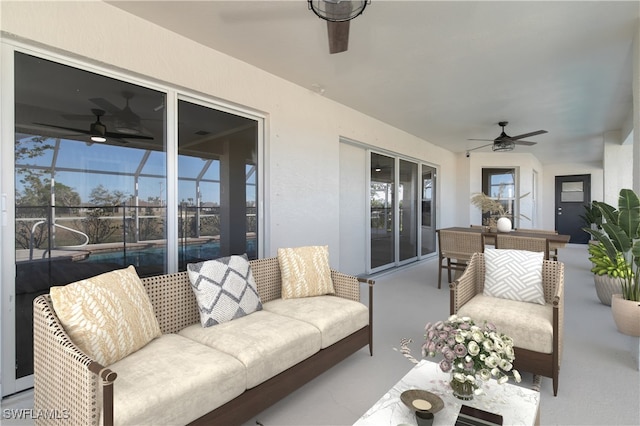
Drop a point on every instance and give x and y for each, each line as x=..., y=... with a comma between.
x=305, y=271
x=107, y=316
x=514, y=275
x=224, y=288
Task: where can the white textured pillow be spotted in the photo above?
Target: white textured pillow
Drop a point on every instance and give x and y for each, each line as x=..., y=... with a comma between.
x=305, y=271
x=224, y=288
x=107, y=316
x=514, y=275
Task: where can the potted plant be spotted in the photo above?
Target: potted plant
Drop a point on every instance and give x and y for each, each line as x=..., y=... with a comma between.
x=607, y=275
x=620, y=235
x=499, y=217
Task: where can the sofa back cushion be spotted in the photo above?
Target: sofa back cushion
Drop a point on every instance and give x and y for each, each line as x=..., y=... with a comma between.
x=305, y=271
x=224, y=288
x=514, y=275
x=107, y=316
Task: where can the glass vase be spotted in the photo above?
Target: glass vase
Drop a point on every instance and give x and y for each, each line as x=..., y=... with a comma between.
x=464, y=384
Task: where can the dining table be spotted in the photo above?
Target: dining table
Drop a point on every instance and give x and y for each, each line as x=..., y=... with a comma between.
x=557, y=240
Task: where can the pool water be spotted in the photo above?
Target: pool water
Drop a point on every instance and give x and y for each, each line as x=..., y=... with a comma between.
x=157, y=255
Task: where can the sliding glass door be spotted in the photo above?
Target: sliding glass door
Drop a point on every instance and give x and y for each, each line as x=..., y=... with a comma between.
x=402, y=211
x=96, y=188
x=382, y=202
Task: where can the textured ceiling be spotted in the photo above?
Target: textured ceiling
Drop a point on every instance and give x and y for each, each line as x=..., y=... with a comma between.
x=445, y=71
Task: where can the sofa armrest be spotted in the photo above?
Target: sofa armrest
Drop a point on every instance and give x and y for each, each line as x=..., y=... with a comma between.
x=464, y=288
x=65, y=379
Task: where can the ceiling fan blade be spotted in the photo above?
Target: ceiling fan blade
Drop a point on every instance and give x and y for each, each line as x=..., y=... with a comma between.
x=480, y=139
x=526, y=135
x=115, y=135
x=338, y=36
x=106, y=105
x=112, y=135
x=83, y=131
x=527, y=143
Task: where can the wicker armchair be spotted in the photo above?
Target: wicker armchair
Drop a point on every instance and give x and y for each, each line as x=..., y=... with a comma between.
x=508, y=241
x=466, y=298
x=456, y=248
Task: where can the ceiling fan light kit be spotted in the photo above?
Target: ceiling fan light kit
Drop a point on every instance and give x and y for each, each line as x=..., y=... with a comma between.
x=338, y=10
x=338, y=14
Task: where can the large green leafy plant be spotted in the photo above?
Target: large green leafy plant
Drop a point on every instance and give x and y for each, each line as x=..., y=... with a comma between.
x=620, y=235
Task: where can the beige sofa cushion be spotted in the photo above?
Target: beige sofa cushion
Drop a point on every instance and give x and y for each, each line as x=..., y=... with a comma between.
x=108, y=316
x=335, y=317
x=174, y=380
x=530, y=325
x=305, y=271
x=266, y=343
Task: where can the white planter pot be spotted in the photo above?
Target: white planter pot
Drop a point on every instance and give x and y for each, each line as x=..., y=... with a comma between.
x=626, y=314
x=607, y=286
x=504, y=224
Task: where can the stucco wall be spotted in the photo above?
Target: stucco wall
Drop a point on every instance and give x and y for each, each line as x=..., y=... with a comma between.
x=304, y=128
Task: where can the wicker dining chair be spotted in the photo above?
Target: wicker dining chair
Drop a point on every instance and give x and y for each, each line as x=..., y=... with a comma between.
x=553, y=247
x=456, y=248
x=517, y=242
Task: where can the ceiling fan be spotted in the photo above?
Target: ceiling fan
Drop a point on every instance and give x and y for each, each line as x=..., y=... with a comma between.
x=338, y=13
x=98, y=131
x=124, y=120
x=505, y=142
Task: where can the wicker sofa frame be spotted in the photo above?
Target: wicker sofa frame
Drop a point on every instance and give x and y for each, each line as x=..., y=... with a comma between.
x=68, y=381
x=546, y=364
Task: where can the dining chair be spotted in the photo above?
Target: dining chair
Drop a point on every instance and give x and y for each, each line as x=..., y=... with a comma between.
x=488, y=239
x=517, y=242
x=553, y=247
x=457, y=247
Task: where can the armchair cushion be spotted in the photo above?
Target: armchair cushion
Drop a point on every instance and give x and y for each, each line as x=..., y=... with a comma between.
x=530, y=325
x=514, y=275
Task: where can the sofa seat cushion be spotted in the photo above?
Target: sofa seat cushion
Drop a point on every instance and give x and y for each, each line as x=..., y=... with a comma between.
x=174, y=380
x=335, y=317
x=266, y=343
x=530, y=325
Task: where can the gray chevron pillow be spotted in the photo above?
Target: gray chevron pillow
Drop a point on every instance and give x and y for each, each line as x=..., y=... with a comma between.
x=514, y=275
x=224, y=288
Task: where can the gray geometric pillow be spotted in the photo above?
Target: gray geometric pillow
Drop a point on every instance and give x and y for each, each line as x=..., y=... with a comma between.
x=514, y=275
x=224, y=288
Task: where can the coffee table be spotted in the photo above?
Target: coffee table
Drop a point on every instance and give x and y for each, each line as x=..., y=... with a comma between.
x=517, y=405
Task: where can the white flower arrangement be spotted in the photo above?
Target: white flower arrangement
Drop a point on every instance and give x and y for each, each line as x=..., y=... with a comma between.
x=469, y=352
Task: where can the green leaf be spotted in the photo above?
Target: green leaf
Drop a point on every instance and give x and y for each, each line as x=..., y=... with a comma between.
x=612, y=251
x=609, y=213
x=629, y=212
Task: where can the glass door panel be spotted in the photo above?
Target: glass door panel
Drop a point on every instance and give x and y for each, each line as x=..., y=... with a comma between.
x=428, y=228
x=217, y=184
x=408, y=207
x=382, y=203
x=90, y=165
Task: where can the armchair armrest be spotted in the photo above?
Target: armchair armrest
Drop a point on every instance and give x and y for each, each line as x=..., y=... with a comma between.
x=464, y=288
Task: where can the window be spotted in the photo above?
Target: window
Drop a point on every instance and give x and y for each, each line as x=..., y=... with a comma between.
x=500, y=185
x=92, y=184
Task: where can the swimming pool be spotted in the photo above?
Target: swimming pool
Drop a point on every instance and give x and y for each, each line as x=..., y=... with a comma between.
x=155, y=256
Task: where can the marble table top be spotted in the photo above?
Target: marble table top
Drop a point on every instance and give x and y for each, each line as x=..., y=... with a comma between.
x=516, y=404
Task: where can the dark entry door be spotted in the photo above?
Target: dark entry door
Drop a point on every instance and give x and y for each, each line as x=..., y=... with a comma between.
x=572, y=194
